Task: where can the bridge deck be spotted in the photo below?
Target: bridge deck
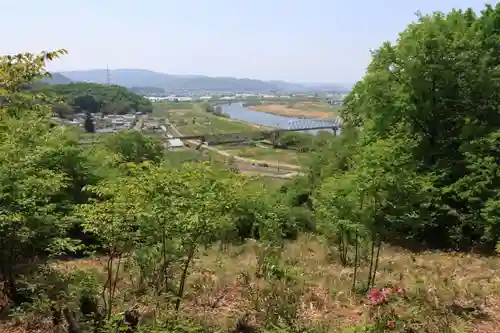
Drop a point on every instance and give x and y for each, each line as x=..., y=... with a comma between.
x=250, y=134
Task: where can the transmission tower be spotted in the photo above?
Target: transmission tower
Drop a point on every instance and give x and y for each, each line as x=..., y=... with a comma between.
x=108, y=76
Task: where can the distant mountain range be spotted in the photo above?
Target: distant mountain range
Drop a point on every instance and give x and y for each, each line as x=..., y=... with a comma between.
x=187, y=83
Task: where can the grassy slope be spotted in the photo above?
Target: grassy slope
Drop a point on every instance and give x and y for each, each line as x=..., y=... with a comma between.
x=321, y=293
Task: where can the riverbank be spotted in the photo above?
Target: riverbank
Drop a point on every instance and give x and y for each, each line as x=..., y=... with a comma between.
x=195, y=120
x=302, y=110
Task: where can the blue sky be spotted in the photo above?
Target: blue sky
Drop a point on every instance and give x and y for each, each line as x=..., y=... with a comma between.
x=294, y=40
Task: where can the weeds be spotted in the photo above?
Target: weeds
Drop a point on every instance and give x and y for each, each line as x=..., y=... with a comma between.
x=298, y=289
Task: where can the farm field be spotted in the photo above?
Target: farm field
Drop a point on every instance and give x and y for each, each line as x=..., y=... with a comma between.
x=194, y=120
x=270, y=154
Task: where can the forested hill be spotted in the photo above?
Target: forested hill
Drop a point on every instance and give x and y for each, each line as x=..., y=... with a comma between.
x=93, y=97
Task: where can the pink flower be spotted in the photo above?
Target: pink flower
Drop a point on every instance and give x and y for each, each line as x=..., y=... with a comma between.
x=377, y=296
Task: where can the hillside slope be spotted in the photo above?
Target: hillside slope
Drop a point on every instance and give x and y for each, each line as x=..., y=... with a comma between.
x=57, y=78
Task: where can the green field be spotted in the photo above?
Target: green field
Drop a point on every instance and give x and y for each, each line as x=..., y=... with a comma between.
x=179, y=156
x=160, y=107
x=269, y=154
x=194, y=120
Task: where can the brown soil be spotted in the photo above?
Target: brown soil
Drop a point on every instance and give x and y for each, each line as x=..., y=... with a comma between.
x=285, y=111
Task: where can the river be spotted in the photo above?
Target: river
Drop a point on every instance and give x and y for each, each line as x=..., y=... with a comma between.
x=239, y=112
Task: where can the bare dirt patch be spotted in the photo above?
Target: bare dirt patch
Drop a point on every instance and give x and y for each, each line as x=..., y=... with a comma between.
x=287, y=111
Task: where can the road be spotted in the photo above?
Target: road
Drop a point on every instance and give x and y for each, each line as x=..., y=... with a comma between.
x=262, y=163
x=251, y=166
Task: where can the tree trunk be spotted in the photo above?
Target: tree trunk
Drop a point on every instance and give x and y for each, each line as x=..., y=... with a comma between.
x=73, y=326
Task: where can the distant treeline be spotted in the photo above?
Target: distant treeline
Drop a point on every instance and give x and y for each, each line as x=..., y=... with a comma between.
x=93, y=98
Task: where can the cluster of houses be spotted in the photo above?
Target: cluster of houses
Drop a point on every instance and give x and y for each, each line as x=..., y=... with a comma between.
x=103, y=123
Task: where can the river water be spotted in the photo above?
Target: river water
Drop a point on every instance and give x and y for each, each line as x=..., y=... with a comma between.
x=239, y=112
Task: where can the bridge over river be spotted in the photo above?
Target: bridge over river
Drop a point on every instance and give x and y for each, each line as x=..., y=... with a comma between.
x=298, y=125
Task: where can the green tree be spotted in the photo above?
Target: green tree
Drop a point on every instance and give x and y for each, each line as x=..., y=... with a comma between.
x=95, y=97
x=260, y=215
x=89, y=123
x=29, y=221
x=439, y=87
x=479, y=187
x=86, y=103
x=167, y=213
x=376, y=200
x=189, y=207
x=117, y=108
x=112, y=216
x=133, y=146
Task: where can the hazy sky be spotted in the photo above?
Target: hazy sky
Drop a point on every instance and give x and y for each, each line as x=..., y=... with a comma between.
x=295, y=40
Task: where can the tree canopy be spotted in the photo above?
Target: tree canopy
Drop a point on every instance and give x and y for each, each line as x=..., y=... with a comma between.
x=435, y=94
x=93, y=98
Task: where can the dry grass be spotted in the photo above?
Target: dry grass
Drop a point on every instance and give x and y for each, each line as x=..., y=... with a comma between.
x=438, y=286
